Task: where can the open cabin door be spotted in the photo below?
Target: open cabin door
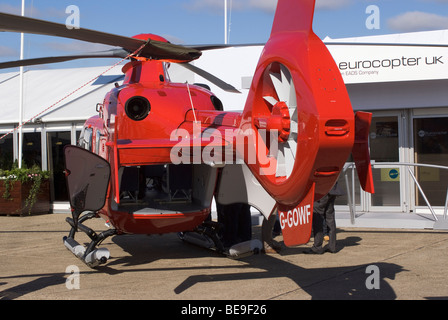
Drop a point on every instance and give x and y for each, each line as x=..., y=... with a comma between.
x=87, y=177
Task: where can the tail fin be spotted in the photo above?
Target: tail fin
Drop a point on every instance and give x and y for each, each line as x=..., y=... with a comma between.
x=293, y=15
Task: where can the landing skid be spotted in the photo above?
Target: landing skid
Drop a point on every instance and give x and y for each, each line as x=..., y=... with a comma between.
x=90, y=255
x=206, y=236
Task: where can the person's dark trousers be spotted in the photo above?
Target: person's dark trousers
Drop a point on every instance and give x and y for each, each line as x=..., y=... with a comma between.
x=324, y=208
x=236, y=221
x=331, y=223
x=244, y=223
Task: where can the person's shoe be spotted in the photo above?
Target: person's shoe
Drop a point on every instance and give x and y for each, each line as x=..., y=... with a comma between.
x=271, y=248
x=327, y=249
x=313, y=250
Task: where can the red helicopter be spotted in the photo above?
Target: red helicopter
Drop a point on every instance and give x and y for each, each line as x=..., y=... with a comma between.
x=157, y=152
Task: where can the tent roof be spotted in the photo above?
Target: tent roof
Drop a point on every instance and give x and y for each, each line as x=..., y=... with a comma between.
x=45, y=88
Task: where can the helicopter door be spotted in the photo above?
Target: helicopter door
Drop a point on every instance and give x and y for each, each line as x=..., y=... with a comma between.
x=87, y=178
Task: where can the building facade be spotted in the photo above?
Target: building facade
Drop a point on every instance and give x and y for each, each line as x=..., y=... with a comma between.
x=404, y=85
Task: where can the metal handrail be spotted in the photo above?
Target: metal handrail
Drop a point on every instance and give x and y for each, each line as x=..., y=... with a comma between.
x=352, y=205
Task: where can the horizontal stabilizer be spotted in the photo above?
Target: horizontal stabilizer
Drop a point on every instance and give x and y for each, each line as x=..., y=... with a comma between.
x=361, y=154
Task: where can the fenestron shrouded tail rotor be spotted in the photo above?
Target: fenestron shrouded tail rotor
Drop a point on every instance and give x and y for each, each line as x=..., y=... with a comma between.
x=284, y=107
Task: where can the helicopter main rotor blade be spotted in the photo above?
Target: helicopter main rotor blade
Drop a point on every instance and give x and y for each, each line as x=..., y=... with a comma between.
x=154, y=49
x=113, y=53
x=208, y=76
x=205, y=47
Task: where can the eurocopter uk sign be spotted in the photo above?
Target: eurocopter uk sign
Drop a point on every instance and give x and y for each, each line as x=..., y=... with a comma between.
x=363, y=64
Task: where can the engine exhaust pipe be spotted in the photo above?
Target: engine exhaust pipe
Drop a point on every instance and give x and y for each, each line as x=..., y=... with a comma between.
x=97, y=257
x=245, y=249
x=73, y=246
x=93, y=259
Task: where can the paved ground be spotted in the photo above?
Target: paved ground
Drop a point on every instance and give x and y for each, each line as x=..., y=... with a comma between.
x=34, y=264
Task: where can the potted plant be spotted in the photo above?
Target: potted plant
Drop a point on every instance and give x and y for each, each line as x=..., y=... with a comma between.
x=24, y=190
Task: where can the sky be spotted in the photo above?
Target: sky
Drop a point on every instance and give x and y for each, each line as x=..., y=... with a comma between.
x=191, y=22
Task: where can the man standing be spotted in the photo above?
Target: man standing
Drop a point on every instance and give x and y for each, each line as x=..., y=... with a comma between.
x=324, y=211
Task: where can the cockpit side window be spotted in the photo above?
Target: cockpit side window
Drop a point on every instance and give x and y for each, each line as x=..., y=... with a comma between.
x=85, y=139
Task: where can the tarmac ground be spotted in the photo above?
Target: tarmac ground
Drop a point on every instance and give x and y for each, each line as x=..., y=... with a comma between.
x=370, y=264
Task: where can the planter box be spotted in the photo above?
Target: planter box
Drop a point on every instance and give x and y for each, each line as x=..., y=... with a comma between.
x=19, y=194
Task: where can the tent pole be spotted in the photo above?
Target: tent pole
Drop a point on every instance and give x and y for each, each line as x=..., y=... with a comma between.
x=22, y=38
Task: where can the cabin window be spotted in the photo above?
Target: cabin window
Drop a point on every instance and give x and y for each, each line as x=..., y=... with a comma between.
x=85, y=139
x=97, y=142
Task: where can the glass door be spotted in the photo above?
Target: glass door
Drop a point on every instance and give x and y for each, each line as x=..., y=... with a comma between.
x=385, y=146
x=431, y=147
x=55, y=148
x=6, y=151
x=32, y=150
